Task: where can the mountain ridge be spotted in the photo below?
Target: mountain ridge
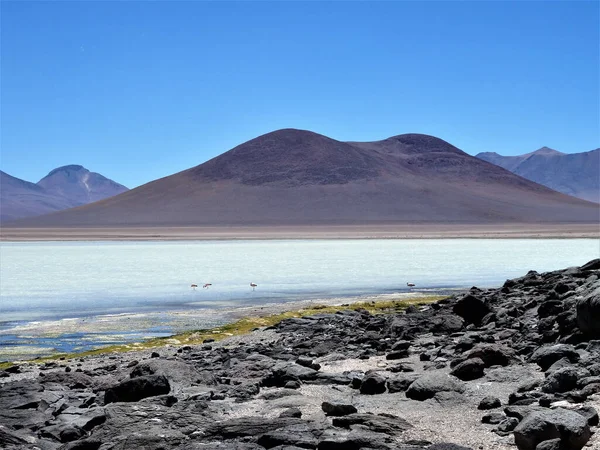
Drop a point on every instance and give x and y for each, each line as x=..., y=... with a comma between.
x=575, y=174
x=54, y=192
x=297, y=177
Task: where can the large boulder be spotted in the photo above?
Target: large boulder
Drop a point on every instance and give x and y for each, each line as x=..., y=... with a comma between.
x=571, y=428
x=471, y=308
x=373, y=383
x=471, y=369
x=492, y=354
x=562, y=380
x=137, y=388
x=588, y=312
x=177, y=372
x=430, y=384
x=548, y=354
x=337, y=409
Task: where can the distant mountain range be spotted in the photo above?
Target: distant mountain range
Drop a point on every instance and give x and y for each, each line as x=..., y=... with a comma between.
x=296, y=177
x=576, y=174
x=62, y=188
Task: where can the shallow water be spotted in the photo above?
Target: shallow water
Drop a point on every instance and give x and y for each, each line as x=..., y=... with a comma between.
x=61, y=280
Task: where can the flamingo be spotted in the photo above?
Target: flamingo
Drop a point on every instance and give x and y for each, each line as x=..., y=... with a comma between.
x=410, y=285
x=206, y=285
x=194, y=286
x=253, y=285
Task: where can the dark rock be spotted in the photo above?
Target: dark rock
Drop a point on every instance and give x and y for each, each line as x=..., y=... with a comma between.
x=83, y=444
x=248, y=426
x=381, y=423
x=552, y=444
x=428, y=385
x=591, y=389
x=373, y=384
x=493, y=418
x=138, y=388
x=400, y=383
x=562, y=380
x=177, y=372
x=491, y=354
x=472, y=309
x=594, y=264
x=560, y=364
x=295, y=436
x=550, y=308
x=291, y=412
x=489, y=403
x=588, y=312
x=71, y=433
x=568, y=426
x=308, y=362
x=471, y=369
x=449, y=398
x=590, y=414
x=507, y=425
x=398, y=354
x=548, y=354
x=337, y=409
x=293, y=384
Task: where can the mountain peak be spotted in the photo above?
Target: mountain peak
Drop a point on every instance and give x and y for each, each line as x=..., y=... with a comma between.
x=546, y=151
x=67, y=169
x=290, y=157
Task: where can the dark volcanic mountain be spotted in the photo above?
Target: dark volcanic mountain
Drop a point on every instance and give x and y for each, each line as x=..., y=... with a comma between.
x=62, y=188
x=294, y=177
x=576, y=174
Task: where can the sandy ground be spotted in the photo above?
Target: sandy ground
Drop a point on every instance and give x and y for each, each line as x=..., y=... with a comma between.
x=385, y=231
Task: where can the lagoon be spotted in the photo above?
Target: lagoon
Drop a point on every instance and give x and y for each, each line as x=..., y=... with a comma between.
x=42, y=282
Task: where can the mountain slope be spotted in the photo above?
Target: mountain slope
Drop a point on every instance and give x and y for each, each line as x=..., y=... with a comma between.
x=80, y=185
x=576, y=174
x=20, y=198
x=63, y=188
x=295, y=177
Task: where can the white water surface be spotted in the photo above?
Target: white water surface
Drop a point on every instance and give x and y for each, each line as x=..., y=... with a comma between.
x=57, y=280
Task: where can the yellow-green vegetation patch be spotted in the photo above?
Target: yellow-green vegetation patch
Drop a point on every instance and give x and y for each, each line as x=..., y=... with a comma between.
x=247, y=325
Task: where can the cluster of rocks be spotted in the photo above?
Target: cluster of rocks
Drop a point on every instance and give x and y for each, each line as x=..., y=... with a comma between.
x=348, y=380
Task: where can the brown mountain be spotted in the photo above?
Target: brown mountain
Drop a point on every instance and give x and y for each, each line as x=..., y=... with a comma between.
x=295, y=177
x=576, y=174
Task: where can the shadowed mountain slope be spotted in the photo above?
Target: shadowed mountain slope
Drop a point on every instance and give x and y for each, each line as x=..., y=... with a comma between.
x=63, y=188
x=295, y=177
x=576, y=174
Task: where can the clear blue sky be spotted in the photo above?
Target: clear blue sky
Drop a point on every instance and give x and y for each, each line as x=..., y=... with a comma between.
x=140, y=90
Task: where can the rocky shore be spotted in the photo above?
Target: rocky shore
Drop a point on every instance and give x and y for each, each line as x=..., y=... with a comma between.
x=511, y=368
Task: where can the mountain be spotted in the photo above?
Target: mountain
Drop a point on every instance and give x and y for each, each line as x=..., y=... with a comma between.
x=62, y=188
x=20, y=198
x=295, y=177
x=80, y=185
x=576, y=174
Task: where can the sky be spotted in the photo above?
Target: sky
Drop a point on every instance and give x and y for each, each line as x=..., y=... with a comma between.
x=140, y=90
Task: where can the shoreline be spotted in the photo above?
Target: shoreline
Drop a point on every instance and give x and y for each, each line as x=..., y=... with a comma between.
x=470, y=371
x=113, y=327
x=316, y=232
